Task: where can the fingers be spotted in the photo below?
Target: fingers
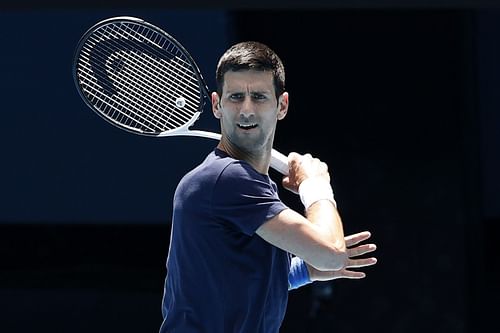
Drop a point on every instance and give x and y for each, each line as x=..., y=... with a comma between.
x=310, y=161
x=307, y=156
x=302, y=167
x=364, y=262
x=357, y=238
x=293, y=158
x=360, y=250
x=352, y=275
x=353, y=252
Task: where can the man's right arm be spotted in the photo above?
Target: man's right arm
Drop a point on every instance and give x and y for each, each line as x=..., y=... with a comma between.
x=317, y=238
x=308, y=239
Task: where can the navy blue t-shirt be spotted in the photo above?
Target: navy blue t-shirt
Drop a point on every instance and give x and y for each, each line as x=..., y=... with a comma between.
x=221, y=276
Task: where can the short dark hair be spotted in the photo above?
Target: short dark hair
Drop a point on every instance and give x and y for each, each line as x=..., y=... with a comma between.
x=251, y=56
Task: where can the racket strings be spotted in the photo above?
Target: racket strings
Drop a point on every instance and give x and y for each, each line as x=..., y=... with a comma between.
x=120, y=107
x=113, y=106
x=146, y=67
x=179, y=61
x=149, y=84
x=140, y=71
x=134, y=93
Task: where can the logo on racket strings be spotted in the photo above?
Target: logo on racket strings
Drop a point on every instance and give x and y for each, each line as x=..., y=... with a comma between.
x=180, y=102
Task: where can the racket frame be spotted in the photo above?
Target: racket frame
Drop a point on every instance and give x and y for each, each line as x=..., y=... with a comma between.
x=279, y=162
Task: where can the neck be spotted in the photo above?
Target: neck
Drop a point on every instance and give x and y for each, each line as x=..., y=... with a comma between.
x=259, y=160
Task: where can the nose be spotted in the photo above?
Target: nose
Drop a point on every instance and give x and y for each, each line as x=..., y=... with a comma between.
x=247, y=107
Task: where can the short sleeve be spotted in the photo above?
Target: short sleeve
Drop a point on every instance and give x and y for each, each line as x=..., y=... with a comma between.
x=245, y=198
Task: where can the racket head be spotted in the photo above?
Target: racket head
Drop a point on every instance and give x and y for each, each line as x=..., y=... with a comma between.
x=138, y=77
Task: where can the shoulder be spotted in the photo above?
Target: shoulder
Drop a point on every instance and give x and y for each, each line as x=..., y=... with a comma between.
x=245, y=198
x=239, y=174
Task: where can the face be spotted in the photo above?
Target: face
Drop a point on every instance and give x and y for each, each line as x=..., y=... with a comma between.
x=248, y=109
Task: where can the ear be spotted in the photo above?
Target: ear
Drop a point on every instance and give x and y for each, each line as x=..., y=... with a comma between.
x=283, y=105
x=216, y=105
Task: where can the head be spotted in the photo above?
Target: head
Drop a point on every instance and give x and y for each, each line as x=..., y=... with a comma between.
x=250, y=97
x=251, y=56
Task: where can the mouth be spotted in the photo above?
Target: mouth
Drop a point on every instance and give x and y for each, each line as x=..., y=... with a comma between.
x=247, y=126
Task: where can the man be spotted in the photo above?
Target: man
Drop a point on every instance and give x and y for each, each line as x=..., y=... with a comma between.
x=236, y=248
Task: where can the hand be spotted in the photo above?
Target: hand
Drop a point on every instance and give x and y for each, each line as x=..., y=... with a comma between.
x=352, y=252
x=302, y=167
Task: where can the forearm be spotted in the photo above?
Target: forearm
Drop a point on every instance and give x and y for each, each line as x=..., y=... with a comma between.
x=325, y=216
x=321, y=210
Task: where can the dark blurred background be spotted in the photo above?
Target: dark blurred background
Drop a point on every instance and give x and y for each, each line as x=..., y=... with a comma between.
x=402, y=102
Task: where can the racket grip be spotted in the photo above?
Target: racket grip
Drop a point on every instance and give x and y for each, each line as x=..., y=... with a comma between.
x=279, y=162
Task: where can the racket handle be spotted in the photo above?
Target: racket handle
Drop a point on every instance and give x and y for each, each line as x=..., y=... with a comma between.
x=279, y=162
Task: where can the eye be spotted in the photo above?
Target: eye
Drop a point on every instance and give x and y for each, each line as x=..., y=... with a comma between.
x=236, y=97
x=259, y=96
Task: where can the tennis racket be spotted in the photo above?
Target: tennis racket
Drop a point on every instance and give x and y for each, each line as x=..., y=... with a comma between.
x=140, y=79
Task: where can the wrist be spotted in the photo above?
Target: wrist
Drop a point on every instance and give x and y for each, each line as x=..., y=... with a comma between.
x=299, y=274
x=313, y=189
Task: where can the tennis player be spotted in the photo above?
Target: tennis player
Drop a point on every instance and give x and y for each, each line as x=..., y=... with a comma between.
x=236, y=249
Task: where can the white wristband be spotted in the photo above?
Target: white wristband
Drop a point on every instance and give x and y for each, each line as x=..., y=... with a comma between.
x=315, y=189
